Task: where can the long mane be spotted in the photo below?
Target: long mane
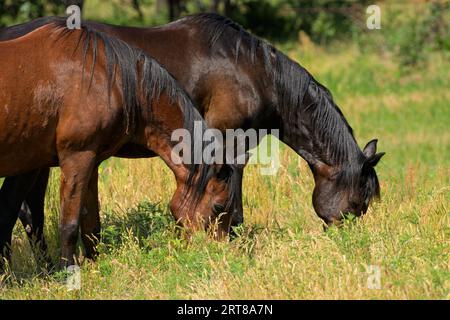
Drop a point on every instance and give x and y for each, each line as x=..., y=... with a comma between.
x=151, y=81
x=292, y=81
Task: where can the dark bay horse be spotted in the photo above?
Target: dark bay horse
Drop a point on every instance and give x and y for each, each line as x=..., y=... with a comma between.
x=239, y=81
x=73, y=98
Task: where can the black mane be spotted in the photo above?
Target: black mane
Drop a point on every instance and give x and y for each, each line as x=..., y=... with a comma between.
x=218, y=27
x=292, y=81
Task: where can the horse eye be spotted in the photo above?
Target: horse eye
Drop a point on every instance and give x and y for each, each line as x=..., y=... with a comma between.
x=218, y=208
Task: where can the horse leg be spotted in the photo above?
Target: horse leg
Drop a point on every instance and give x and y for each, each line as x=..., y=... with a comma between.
x=12, y=194
x=90, y=219
x=76, y=171
x=237, y=217
x=32, y=217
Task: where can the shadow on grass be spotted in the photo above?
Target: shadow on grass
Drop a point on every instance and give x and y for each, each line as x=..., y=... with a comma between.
x=150, y=224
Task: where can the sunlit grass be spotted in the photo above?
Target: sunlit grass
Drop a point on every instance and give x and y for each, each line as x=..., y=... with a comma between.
x=283, y=252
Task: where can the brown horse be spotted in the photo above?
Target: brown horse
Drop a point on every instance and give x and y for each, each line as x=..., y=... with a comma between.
x=239, y=81
x=75, y=98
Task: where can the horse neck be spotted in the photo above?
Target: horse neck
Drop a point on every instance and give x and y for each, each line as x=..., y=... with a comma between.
x=160, y=116
x=311, y=124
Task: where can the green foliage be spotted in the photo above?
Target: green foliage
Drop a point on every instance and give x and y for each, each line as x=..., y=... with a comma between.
x=324, y=20
x=264, y=18
x=410, y=33
x=146, y=224
x=16, y=11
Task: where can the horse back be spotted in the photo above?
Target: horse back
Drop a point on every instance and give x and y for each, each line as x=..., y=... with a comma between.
x=48, y=101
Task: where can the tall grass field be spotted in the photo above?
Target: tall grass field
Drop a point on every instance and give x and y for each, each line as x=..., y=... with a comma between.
x=283, y=251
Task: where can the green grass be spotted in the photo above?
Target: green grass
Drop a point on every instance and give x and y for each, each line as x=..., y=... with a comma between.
x=283, y=252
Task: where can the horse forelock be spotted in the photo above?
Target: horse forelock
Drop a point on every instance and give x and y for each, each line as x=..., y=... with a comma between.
x=359, y=182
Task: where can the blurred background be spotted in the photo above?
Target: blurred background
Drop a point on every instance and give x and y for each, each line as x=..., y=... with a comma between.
x=410, y=29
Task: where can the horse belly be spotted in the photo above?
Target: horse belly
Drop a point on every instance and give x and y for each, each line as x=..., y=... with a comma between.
x=27, y=137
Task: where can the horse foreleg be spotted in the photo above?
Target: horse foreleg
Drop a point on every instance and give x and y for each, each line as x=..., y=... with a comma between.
x=76, y=171
x=90, y=218
x=237, y=217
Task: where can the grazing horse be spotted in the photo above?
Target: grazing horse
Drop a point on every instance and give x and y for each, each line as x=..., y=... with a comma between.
x=240, y=81
x=73, y=98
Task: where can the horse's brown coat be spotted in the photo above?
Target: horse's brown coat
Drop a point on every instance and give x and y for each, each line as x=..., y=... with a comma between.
x=52, y=114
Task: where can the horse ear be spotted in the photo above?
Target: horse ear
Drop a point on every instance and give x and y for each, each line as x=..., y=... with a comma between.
x=373, y=160
x=370, y=148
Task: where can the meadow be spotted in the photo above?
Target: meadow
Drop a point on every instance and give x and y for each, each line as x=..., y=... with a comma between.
x=282, y=251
